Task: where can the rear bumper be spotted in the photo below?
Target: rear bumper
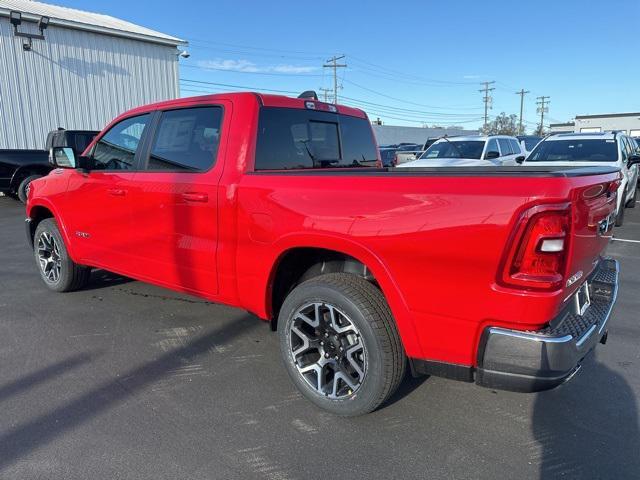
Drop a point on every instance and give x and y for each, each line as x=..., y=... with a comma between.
x=540, y=360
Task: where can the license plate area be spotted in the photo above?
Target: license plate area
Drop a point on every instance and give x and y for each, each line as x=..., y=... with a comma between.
x=582, y=299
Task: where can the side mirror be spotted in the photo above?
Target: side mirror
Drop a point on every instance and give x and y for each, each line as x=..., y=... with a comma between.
x=491, y=154
x=65, y=157
x=520, y=159
x=633, y=160
x=62, y=157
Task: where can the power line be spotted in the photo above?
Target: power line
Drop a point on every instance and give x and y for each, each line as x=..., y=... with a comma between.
x=522, y=93
x=399, y=99
x=237, y=86
x=487, y=99
x=252, y=72
x=333, y=63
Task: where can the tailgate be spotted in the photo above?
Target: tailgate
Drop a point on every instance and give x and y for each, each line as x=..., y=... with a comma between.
x=593, y=202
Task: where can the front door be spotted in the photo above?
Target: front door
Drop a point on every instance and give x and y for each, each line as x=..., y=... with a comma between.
x=99, y=201
x=175, y=198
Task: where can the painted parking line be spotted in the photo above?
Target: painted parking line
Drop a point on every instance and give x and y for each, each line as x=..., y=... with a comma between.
x=624, y=240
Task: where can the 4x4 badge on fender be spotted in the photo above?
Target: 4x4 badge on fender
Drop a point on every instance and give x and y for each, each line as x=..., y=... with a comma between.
x=82, y=234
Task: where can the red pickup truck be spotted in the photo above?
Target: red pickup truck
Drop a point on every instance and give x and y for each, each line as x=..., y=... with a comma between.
x=278, y=206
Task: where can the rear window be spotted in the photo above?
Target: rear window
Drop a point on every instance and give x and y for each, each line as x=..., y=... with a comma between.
x=577, y=150
x=290, y=138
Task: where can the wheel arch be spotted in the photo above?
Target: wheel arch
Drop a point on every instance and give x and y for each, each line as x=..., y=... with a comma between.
x=298, y=261
x=39, y=210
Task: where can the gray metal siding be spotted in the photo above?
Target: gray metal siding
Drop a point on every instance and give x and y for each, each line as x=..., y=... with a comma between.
x=390, y=134
x=76, y=80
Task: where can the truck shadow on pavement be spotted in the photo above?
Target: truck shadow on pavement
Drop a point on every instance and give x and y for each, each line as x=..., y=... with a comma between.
x=103, y=279
x=573, y=426
x=22, y=439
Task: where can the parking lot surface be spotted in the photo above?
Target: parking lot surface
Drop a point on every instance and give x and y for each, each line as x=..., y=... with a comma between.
x=127, y=380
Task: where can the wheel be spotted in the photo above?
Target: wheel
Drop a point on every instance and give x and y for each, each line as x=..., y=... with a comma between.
x=620, y=215
x=23, y=188
x=632, y=202
x=340, y=344
x=57, y=270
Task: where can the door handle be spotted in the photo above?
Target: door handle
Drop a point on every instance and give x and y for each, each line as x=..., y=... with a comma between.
x=117, y=192
x=195, y=197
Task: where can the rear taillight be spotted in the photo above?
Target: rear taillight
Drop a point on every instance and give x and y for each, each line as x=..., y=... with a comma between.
x=395, y=159
x=538, y=251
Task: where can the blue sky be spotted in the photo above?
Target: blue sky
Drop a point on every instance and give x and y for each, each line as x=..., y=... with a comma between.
x=410, y=62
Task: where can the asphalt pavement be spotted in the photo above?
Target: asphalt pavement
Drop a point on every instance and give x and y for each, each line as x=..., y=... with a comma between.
x=127, y=380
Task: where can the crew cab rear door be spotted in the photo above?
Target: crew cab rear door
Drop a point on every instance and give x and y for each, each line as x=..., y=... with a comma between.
x=175, y=206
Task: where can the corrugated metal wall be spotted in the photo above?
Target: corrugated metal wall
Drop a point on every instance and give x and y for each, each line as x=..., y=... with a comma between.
x=390, y=134
x=76, y=80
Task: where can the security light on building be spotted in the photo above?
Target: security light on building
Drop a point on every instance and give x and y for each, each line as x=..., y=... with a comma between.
x=69, y=68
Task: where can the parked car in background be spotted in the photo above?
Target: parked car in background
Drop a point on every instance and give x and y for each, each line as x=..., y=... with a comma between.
x=476, y=150
x=388, y=156
x=528, y=142
x=407, y=152
x=360, y=271
x=18, y=168
x=594, y=149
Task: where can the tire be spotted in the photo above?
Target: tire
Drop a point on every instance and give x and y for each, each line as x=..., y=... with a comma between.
x=23, y=188
x=51, y=254
x=620, y=215
x=632, y=202
x=361, y=343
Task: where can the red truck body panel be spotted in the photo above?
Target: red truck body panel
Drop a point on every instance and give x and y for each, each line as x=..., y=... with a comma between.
x=434, y=242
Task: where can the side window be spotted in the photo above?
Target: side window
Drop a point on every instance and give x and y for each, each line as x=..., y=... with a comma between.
x=492, y=147
x=186, y=140
x=116, y=150
x=624, y=149
x=505, y=146
x=515, y=146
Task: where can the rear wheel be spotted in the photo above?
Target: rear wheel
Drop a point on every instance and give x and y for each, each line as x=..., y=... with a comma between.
x=57, y=270
x=340, y=345
x=23, y=188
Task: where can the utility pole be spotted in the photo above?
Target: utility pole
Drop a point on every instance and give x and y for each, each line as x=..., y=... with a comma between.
x=487, y=99
x=325, y=92
x=522, y=93
x=333, y=63
x=543, y=108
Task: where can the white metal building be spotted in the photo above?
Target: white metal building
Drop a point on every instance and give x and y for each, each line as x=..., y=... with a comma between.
x=391, y=134
x=625, y=122
x=78, y=71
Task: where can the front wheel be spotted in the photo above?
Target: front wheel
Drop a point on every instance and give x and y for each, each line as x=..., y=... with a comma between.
x=340, y=344
x=57, y=270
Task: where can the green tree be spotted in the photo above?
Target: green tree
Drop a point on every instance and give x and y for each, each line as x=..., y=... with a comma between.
x=539, y=131
x=503, y=124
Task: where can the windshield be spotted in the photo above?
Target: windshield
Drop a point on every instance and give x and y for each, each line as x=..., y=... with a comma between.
x=455, y=149
x=577, y=150
x=530, y=142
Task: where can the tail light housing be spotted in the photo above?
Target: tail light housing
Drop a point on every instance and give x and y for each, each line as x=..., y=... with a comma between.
x=536, y=258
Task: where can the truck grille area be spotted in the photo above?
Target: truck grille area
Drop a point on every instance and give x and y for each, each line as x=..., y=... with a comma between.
x=602, y=293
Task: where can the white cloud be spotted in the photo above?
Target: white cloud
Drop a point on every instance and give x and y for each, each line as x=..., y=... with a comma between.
x=250, y=67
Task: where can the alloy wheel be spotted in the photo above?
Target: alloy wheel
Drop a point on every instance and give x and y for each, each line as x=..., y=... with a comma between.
x=49, y=259
x=327, y=349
